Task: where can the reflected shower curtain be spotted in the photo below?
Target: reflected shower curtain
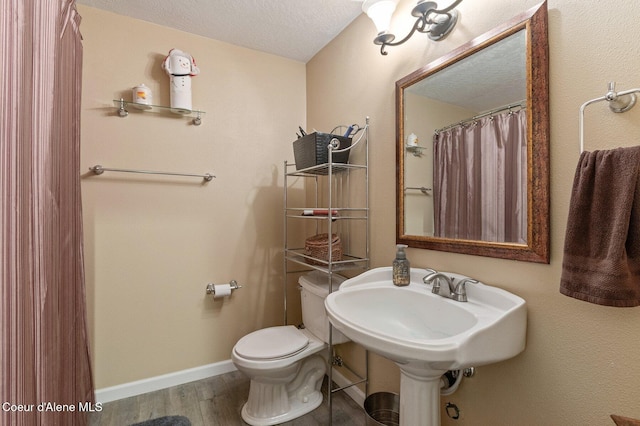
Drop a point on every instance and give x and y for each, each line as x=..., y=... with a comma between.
x=480, y=180
x=44, y=354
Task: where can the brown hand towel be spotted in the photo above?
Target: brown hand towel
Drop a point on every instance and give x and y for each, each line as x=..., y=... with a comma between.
x=602, y=245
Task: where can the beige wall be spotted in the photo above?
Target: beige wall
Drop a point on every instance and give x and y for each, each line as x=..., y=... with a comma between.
x=580, y=364
x=152, y=243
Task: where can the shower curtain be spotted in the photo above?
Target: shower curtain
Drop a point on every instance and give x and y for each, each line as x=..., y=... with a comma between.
x=44, y=353
x=480, y=180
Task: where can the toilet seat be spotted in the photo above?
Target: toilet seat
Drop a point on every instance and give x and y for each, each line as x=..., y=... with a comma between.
x=272, y=343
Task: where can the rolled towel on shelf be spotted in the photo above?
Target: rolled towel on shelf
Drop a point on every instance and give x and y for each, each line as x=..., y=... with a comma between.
x=319, y=212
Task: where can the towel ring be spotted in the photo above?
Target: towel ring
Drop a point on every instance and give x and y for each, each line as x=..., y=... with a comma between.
x=618, y=102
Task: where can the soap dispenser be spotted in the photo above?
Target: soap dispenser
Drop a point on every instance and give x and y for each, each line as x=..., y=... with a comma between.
x=401, y=269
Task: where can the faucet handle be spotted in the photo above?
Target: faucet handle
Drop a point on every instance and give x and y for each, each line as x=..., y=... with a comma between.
x=432, y=278
x=460, y=293
x=430, y=271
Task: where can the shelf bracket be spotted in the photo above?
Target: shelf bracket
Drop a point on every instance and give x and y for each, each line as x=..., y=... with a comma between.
x=122, y=111
x=197, y=121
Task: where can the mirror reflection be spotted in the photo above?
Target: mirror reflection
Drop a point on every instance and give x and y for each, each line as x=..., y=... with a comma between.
x=466, y=147
x=472, y=146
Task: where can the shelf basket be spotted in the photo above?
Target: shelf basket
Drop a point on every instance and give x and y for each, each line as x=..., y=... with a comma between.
x=318, y=248
x=311, y=150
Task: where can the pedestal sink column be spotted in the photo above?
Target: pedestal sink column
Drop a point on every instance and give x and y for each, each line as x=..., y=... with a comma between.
x=420, y=398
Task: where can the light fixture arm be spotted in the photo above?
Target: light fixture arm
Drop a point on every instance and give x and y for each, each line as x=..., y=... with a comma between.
x=385, y=39
x=448, y=8
x=430, y=20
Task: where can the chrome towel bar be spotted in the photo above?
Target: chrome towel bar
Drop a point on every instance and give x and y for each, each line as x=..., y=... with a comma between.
x=422, y=189
x=98, y=169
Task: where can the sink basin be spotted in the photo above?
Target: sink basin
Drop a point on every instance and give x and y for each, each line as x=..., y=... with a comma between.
x=427, y=334
x=412, y=325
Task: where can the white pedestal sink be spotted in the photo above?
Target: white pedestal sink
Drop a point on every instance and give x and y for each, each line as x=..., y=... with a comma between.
x=426, y=334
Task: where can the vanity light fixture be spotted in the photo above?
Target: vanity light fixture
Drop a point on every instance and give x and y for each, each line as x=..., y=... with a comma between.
x=436, y=23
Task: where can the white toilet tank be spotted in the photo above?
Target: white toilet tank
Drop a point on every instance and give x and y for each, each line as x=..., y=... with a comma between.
x=315, y=288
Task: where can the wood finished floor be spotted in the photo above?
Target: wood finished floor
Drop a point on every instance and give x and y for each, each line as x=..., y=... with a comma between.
x=216, y=401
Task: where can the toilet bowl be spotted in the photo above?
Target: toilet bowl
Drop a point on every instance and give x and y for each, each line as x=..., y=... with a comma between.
x=285, y=363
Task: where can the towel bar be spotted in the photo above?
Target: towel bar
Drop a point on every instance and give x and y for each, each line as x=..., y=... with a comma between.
x=422, y=189
x=98, y=169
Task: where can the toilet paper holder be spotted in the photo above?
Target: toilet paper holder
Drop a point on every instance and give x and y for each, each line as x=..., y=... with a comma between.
x=233, y=285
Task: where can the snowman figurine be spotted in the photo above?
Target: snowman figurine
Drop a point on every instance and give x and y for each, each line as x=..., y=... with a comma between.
x=181, y=67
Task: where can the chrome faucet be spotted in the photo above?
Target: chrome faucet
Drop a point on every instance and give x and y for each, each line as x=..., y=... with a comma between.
x=460, y=293
x=457, y=292
x=434, y=278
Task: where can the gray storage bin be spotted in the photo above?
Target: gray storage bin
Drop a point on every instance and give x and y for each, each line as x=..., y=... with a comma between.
x=311, y=150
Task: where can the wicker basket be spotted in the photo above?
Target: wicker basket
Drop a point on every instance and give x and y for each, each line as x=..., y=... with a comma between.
x=318, y=248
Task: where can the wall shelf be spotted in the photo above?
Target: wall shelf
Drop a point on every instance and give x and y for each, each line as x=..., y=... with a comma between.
x=123, y=110
x=415, y=150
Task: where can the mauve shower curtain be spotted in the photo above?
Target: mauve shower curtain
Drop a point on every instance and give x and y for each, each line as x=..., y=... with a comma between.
x=44, y=354
x=480, y=180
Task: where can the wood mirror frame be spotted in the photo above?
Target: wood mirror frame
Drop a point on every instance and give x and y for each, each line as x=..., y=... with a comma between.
x=536, y=249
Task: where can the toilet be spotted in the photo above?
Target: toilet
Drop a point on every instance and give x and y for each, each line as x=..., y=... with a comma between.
x=286, y=364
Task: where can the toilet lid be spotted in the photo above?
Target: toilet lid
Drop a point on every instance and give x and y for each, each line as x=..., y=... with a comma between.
x=272, y=342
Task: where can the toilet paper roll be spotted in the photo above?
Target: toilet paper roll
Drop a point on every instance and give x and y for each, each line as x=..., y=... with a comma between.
x=221, y=290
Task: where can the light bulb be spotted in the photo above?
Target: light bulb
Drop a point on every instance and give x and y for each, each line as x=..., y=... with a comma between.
x=380, y=12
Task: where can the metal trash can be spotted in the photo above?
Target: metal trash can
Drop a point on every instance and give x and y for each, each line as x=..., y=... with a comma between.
x=383, y=409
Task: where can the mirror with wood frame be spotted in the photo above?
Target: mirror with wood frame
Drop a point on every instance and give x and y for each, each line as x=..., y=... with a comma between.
x=472, y=146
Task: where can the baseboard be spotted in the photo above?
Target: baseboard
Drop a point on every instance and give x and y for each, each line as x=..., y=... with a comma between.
x=354, y=392
x=164, y=381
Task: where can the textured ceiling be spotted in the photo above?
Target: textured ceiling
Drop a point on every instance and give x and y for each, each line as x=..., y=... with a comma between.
x=494, y=77
x=295, y=29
